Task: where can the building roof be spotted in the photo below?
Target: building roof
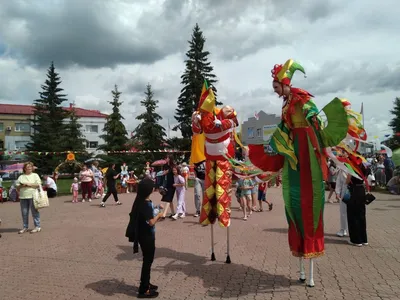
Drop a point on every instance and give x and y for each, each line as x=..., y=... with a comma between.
x=18, y=109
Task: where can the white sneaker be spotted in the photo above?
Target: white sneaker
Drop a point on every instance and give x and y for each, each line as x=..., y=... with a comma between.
x=365, y=244
x=83, y=200
x=90, y=200
x=196, y=215
x=36, y=229
x=23, y=231
x=175, y=217
x=102, y=204
x=182, y=216
x=341, y=233
x=358, y=245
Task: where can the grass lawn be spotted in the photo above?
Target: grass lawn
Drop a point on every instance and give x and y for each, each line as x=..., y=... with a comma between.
x=63, y=186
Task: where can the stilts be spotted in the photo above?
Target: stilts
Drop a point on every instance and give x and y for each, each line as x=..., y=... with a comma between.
x=228, y=258
x=212, y=243
x=311, y=280
x=302, y=272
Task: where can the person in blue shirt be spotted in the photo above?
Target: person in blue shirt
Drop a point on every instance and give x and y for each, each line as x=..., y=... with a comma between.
x=141, y=231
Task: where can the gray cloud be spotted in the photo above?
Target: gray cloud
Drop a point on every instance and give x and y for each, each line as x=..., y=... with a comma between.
x=95, y=44
x=105, y=33
x=87, y=33
x=363, y=78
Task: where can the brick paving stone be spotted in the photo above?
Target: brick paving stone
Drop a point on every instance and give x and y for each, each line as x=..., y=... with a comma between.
x=82, y=254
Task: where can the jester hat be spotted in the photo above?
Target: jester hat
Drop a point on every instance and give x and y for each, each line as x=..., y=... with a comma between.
x=284, y=73
x=207, y=99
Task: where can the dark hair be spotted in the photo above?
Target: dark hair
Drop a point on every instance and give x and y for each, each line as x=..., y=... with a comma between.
x=171, y=162
x=177, y=169
x=144, y=190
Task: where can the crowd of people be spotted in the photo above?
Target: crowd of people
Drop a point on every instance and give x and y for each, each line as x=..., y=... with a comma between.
x=172, y=181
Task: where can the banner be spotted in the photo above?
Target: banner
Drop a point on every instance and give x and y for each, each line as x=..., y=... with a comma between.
x=82, y=152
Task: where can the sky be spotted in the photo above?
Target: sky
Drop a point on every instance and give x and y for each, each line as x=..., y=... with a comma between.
x=348, y=49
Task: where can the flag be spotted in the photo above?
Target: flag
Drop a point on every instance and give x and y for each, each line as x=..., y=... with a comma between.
x=197, y=150
x=256, y=115
x=207, y=98
x=362, y=109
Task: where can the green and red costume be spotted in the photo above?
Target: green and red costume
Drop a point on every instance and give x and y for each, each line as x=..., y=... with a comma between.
x=298, y=149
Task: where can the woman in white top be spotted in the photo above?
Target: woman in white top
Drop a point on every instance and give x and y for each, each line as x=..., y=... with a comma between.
x=27, y=184
x=341, y=188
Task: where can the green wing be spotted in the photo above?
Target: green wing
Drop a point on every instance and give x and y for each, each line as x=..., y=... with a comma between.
x=337, y=127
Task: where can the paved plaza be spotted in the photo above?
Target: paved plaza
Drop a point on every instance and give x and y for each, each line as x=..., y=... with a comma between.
x=82, y=253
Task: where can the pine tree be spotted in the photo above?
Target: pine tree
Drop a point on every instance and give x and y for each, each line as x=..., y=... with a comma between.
x=115, y=136
x=197, y=69
x=49, y=128
x=74, y=139
x=150, y=134
x=395, y=124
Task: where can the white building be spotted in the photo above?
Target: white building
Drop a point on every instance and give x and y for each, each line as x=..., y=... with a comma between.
x=15, y=126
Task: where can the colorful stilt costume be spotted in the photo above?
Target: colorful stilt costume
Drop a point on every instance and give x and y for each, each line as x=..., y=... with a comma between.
x=298, y=149
x=218, y=128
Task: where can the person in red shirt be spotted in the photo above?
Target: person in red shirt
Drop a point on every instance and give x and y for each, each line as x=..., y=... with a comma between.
x=262, y=193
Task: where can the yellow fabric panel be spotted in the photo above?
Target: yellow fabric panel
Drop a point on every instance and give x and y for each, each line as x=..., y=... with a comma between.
x=197, y=151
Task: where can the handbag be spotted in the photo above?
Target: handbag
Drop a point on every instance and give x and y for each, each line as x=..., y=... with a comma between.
x=346, y=197
x=163, y=188
x=40, y=199
x=369, y=198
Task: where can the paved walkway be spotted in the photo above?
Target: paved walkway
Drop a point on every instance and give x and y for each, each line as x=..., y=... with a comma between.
x=82, y=253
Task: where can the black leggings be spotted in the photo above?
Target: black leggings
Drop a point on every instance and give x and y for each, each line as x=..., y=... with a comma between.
x=148, y=246
x=111, y=190
x=356, y=216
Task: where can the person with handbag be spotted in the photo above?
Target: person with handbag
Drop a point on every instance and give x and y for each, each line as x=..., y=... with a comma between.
x=27, y=185
x=168, y=190
x=141, y=231
x=356, y=210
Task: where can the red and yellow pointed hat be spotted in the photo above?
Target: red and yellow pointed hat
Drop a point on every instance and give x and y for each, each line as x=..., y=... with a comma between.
x=284, y=73
x=207, y=99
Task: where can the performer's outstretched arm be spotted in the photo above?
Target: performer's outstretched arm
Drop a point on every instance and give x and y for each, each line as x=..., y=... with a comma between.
x=263, y=160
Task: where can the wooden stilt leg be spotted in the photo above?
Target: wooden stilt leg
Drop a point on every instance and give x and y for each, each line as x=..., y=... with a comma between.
x=311, y=280
x=302, y=272
x=228, y=258
x=212, y=243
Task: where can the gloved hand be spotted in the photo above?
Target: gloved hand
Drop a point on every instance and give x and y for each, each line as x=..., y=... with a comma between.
x=217, y=123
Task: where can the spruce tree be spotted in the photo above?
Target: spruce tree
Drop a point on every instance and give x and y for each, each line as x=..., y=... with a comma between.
x=49, y=128
x=149, y=132
x=395, y=124
x=74, y=139
x=115, y=134
x=197, y=70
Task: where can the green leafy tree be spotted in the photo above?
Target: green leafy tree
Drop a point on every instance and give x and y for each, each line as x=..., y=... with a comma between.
x=197, y=70
x=49, y=128
x=394, y=142
x=74, y=139
x=115, y=134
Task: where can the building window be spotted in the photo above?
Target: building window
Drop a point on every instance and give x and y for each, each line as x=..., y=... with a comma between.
x=92, y=128
x=21, y=145
x=22, y=127
x=92, y=145
x=250, y=132
x=258, y=132
x=1, y=126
